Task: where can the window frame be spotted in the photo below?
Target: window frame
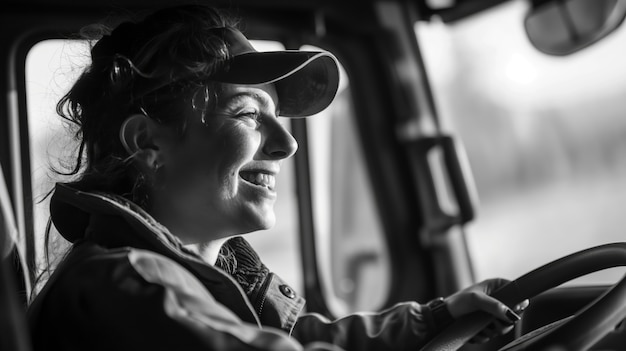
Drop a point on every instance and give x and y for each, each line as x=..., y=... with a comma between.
x=21, y=37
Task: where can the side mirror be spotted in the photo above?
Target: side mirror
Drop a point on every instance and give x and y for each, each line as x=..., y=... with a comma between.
x=562, y=27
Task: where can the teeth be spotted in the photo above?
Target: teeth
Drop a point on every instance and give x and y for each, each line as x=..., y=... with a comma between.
x=261, y=179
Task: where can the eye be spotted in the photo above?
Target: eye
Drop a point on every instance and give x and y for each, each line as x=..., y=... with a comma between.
x=250, y=117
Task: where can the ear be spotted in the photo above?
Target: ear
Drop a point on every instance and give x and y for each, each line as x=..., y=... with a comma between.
x=137, y=135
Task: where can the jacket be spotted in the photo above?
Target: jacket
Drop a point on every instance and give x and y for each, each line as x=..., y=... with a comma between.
x=129, y=284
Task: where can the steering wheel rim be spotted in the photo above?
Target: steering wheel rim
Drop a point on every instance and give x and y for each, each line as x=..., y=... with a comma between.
x=581, y=331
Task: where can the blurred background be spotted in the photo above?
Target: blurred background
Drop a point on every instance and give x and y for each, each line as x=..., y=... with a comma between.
x=545, y=137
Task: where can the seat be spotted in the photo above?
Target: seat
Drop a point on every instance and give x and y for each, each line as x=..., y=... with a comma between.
x=14, y=284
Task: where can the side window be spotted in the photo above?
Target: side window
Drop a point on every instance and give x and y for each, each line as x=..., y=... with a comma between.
x=51, y=67
x=352, y=253
x=544, y=136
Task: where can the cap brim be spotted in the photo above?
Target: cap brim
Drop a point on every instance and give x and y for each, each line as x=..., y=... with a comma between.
x=306, y=82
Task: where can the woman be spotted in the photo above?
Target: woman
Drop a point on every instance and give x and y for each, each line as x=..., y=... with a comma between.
x=177, y=119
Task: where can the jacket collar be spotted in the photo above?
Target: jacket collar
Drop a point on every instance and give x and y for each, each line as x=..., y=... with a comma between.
x=243, y=283
x=113, y=221
x=71, y=211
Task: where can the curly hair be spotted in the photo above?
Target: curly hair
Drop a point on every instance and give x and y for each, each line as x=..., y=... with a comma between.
x=159, y=66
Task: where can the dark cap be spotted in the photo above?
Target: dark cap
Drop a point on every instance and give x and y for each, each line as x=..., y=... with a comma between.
x=306, y=81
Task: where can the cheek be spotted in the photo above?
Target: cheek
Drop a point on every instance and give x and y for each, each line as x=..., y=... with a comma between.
x=236, y=145
x=214, y=160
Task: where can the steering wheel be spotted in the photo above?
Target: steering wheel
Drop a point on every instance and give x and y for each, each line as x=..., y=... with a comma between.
x=578, y=332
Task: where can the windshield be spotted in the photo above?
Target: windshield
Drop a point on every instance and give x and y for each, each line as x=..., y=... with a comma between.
x=545, y=137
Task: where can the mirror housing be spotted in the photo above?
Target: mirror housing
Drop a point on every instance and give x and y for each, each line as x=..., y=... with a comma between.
x=562, y=27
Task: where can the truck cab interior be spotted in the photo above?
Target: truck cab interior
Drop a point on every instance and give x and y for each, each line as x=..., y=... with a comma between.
x=469, y=139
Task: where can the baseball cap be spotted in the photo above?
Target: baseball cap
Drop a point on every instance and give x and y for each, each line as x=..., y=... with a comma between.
x=306, y=81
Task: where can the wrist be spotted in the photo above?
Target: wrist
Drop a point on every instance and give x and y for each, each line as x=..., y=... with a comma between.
x=437, y=314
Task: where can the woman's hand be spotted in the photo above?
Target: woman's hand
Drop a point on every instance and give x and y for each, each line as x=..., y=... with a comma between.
x=476, y=298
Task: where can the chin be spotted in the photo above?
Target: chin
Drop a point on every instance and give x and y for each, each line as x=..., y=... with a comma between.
x=258, y=222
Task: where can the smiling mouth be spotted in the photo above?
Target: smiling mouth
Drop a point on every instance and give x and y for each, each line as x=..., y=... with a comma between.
x=259, y=179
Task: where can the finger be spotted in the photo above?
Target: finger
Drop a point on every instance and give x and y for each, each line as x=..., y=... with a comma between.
x=484, y=335
x=497, y=328
x=493, y=330
x=520, y=307
x=501, y=328
x=496, y=308
x=479, y=339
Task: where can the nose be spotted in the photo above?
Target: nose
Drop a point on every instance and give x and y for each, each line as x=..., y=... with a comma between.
x=278, y=142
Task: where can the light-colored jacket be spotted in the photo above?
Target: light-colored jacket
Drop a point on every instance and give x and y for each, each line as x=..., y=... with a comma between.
x=129, y=284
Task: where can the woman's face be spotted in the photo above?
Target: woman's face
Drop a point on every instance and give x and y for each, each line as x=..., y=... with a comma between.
x=219, y=179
